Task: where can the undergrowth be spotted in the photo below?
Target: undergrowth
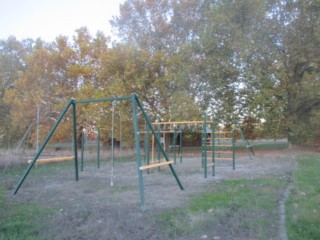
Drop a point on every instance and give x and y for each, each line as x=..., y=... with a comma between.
x=20, y=221
x=303, y=213
x=247, y=207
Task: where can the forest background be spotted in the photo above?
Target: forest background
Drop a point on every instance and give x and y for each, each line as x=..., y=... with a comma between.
x=254, y=62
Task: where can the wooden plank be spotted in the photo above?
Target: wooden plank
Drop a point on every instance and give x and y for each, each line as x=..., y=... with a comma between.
x=223, y=145
x=209, y=139
x=155, y=165
x=222, y=158
x=48, y=160
x=226, y=152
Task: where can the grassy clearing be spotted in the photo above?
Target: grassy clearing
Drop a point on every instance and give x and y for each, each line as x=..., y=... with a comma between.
x=20, y=221
x=303, y=213
x=246, y=208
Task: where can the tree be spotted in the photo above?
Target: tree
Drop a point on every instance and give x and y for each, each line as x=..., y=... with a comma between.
x=12, y=63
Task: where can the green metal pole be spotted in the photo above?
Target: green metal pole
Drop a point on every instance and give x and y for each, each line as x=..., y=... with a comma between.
x=180, y=145
x=157, y=140
x=145, y=143
x=120, y=134
x=158, y=149
x=104, y=99
x=175, y=145
x=148, y=144
x=82, y=148
x=213, y=149
x=74, y=119
x=233, y=155
x=137, y=142
x=28, y=169
x=148, y=147
x=204, y=144
x=112, y=142
x=98, y=148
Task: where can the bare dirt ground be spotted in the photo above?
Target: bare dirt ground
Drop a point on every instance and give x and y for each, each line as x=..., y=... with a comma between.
x=92, y=209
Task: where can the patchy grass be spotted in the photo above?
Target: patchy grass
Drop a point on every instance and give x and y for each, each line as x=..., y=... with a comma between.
x=247, y=208
x=20, y=221
x=303, y=213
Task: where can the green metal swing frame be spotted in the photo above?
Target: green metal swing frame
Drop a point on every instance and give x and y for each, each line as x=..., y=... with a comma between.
x=135, y=103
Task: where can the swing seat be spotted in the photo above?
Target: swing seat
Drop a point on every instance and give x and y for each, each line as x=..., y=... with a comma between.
x=155, y=165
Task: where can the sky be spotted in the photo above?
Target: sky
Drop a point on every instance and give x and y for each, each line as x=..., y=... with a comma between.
x=48, y=19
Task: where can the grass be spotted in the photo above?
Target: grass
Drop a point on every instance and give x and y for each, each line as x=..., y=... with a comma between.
x=234, y=203
x=303, y=213
x=20, y=221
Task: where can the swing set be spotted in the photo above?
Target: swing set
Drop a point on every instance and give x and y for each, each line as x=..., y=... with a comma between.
x=135, y=104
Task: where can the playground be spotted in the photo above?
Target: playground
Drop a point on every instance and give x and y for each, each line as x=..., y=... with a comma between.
x=93, y=209
x=131, y=194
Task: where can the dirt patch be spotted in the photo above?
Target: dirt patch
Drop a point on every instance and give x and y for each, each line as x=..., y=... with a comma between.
x=91, y=209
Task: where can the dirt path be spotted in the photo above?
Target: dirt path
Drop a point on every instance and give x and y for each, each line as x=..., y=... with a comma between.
x=92, y=209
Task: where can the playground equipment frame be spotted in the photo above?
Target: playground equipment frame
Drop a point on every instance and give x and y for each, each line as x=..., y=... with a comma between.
x=135, y=103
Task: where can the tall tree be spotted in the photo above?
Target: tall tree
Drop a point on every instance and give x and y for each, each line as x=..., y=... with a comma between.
x=12, y=64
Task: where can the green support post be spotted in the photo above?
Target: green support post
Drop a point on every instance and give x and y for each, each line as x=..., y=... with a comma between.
x=148, y=147
x=137, y=142
x=233, y=155
x=74, y=120
x=98, y=148
x=174, y=145
x=112, y=134
x=148, y=144
x=213, y=150
x=82, y=149
x=204, y=144
x=28, y=169
x=145, y=143
x=158, y=148
x=180, y=145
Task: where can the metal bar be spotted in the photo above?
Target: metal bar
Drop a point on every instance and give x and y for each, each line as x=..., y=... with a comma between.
x=174, y=145
x=74, y=123
x=204, y=143
x=112, y=143
x=82, y=149
x=98, y=148
x=158, y=140
x=213, y=151
x=28, y=169
x=233, y=155
x=145, y=143
x=104, y=99
x=158, y=149
x=180, y=145
x=137, y=142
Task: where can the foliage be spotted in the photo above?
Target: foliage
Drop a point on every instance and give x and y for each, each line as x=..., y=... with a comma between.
x=234, y=59
x=303, y=202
